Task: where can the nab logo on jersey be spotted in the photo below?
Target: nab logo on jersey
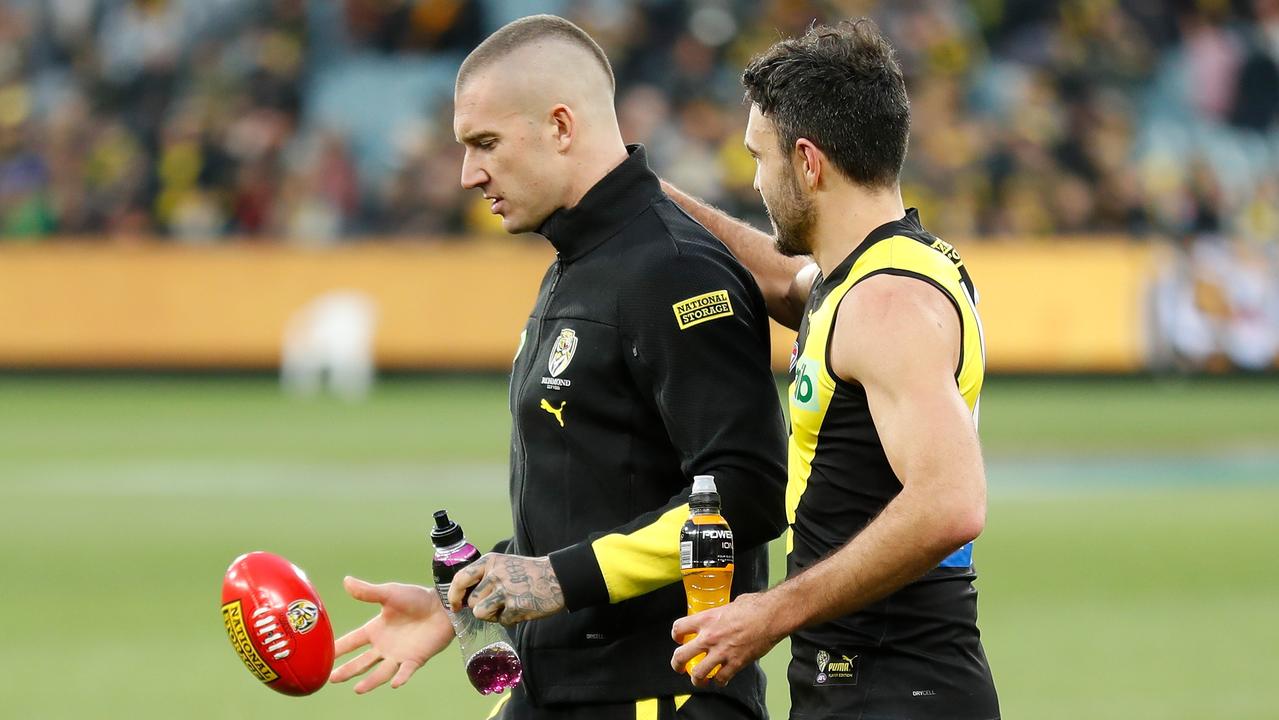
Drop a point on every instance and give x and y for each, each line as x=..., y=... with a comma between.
x=805, y=394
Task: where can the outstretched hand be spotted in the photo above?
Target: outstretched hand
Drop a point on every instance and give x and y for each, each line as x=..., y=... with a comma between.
x=409, y=630
x=508, y=588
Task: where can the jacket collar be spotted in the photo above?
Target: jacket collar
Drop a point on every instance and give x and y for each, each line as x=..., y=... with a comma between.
x=619, y=196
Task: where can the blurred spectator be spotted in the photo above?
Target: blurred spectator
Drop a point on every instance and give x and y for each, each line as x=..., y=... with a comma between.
x=1217, y=308
x=316, y=122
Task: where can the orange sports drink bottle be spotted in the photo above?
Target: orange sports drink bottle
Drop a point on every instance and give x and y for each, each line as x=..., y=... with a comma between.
x=705, y=555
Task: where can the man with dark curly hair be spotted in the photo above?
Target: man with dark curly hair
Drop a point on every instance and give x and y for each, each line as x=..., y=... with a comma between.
x=886, y=487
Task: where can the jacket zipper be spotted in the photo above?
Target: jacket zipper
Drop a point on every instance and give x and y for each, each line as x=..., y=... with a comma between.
x=519, y=396
x=559, y=270
x=541, y=322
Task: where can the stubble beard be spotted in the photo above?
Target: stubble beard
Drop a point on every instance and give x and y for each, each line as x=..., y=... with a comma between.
x=793, y=218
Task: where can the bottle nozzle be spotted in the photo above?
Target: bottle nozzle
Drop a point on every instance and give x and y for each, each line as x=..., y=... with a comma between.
x=446, y=532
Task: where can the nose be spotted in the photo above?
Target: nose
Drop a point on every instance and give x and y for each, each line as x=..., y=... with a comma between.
x=473, y=175
x=755, y=182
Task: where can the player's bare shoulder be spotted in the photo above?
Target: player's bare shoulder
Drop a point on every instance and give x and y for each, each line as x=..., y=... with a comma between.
x=890, y=323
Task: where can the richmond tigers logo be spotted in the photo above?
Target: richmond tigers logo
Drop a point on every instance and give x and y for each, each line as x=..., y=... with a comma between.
x=303, y=614
x=562, y=352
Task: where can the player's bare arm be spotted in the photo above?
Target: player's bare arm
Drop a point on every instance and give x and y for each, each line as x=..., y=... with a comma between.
x=508, y=588
x=785, y=281
x=899, y=338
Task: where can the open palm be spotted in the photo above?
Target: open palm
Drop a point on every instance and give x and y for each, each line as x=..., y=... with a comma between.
x=409, y=630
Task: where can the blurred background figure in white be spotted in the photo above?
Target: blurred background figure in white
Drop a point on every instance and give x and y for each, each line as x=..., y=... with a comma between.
x=328, y=345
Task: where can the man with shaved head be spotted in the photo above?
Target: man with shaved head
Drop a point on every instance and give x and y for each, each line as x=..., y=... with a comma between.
x=542, y=86
x=643, y=363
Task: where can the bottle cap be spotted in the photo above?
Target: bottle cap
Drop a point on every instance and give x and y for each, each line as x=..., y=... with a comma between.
x=704, y=498
x=703, y=484
x=446, y=532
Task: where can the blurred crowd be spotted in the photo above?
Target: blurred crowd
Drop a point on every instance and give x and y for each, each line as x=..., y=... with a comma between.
x=321, y=121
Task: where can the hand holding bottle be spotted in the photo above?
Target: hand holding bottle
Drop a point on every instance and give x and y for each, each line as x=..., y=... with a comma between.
x=706, y=558
x=508, y=589
x=492, y=665
x=728, y=638
x=410, y=629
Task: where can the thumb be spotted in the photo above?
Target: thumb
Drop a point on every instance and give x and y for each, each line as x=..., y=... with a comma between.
x=364, y=591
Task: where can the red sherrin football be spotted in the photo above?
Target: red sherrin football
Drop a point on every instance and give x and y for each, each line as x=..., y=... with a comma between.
x=277, y=624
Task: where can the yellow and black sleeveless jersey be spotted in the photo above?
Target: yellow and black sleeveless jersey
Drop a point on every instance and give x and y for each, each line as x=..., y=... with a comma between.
x=840, y=479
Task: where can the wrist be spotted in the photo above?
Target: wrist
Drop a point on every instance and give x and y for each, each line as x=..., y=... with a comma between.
x=784, y=611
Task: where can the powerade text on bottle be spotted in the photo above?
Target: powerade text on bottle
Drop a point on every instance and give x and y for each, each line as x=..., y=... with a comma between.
x=491, y=663
x=705, y=555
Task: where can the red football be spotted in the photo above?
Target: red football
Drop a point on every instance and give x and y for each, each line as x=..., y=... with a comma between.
x=277, y=623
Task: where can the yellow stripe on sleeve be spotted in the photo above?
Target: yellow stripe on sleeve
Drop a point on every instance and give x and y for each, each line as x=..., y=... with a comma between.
x=644, y=560
x=646, y=709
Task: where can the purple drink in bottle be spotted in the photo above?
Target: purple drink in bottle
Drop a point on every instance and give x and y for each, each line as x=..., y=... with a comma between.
x=492, y=665
x=494, y=668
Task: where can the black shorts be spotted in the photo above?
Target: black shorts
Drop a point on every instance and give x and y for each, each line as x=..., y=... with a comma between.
x=867, y=683
x=682, y=707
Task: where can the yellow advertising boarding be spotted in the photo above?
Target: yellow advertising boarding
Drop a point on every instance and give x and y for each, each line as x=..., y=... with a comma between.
x=1056, y=306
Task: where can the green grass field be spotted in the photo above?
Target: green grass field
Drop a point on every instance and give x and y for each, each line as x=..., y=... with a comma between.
x=1128, y=568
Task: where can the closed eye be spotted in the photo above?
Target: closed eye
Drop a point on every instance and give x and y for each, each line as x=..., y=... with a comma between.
x=480, y=141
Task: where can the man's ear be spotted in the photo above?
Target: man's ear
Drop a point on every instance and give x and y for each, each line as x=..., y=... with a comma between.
x=563, y=126
x=810, y=163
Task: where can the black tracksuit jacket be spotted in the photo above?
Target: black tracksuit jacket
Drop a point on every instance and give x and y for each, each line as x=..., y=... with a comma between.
x=644, y=362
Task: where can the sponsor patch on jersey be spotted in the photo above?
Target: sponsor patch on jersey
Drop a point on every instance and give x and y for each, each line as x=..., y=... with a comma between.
x=836, y=669
x=702, y=308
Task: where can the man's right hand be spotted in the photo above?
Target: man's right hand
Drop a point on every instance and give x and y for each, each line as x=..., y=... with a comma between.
x=410, y=629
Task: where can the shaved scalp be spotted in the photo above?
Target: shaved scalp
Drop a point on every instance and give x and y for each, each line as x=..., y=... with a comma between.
x=533, y=106
x=527, y=32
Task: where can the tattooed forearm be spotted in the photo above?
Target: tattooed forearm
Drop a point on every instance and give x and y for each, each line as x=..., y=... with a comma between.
x=516, y=589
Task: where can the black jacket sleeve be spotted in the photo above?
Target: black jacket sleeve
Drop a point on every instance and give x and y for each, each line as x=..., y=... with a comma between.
x=698, y=335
